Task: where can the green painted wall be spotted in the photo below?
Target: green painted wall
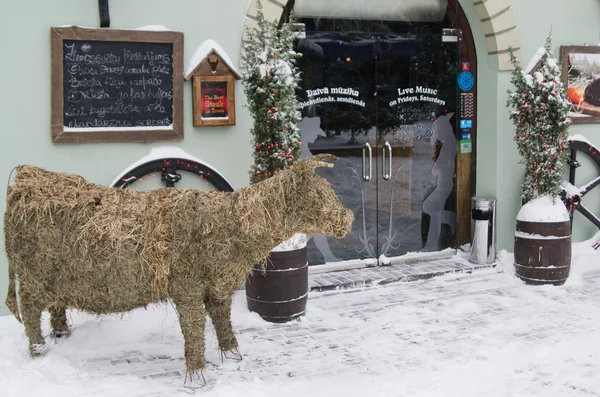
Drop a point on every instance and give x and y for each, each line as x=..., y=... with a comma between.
x=25, y=107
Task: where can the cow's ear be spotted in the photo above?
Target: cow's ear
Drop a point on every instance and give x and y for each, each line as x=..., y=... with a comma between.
x=315, y=161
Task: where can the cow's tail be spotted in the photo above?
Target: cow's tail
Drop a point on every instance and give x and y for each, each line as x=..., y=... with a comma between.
x=11, y=296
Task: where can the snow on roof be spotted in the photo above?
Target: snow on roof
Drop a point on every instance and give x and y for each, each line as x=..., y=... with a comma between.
x=202, y=52
x=535, y=60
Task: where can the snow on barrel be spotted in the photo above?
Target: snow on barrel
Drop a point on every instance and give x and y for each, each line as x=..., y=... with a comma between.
x=543, y=242
x=279, y=293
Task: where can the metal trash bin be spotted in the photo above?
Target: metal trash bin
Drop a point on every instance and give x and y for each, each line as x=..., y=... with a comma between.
x=483, y=230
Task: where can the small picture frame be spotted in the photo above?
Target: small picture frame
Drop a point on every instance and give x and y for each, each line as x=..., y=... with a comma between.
x=214, y=100
x=213, y=85
x=581, y=76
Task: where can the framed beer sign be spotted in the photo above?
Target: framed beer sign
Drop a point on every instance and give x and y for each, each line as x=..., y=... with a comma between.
x=214, y=100
x=213, y=77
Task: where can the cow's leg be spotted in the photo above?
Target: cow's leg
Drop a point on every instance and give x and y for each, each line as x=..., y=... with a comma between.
x=220, y=314
x=58, y=322
x=192, y=319
x=31, y=312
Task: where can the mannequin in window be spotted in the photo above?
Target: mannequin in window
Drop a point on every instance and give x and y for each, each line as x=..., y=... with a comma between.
x=443, y=169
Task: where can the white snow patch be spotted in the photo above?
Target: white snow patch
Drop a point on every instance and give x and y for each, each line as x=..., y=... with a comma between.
x=164, y=152
x=544, y=209
x=342, y=265
x=203, y=51
x=155, y=28
x=539, y=77
x=535, y=236
x=570, y=188
x=537, y=57
x=580, y=138
x=296, y=242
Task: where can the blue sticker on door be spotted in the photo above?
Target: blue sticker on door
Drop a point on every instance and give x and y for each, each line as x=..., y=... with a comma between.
x=466, y=81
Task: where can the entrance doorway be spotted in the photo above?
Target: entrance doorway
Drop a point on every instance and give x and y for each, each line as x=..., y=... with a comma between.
x=386, y=104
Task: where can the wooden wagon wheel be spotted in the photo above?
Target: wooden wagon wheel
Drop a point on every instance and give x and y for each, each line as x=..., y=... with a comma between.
x=167, y=169
x=573, y=193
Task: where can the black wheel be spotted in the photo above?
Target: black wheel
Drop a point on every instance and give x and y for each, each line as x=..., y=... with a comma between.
x=574, y=191
x=167, y=169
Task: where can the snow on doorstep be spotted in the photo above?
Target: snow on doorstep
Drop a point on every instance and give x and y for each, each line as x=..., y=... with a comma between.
x=202, y=52
x=296, y=242
x=343, y=265
x=543, y=210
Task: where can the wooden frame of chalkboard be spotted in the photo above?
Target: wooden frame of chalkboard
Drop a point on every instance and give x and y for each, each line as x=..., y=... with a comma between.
x=213, y=100
x=113, y=85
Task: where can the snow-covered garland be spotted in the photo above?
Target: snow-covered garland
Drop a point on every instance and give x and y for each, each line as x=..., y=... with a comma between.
x=270, y=84
x=541, y=120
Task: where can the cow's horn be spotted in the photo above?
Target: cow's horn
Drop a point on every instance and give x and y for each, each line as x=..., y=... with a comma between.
x=315, y=161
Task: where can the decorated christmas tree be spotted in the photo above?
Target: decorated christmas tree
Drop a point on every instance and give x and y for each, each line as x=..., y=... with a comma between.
x=270, y=84
x=541, y=118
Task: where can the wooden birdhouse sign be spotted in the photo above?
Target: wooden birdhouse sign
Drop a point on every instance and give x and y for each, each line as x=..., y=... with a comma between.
x=213, y=77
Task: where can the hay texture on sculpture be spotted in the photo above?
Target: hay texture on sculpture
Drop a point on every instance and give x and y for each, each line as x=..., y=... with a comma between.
x=75, y=244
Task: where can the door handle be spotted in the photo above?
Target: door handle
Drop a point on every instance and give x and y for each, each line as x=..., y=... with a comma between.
x=387, y=173
x=364, y=162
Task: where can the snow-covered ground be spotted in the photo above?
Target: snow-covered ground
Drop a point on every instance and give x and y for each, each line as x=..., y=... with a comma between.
x=483, y=334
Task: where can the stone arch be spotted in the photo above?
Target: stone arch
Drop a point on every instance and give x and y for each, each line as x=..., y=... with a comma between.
x=499, y=25
x=497, y=18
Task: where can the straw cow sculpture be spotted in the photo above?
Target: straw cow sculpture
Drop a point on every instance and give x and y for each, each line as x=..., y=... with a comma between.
x=75, y=244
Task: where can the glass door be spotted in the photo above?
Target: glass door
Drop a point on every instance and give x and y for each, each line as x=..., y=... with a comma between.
x=383, y=104
x=339, y=117
x=417, y=127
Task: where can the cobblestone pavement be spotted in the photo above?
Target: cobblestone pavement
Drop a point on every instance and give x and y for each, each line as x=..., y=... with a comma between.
x=462, y=325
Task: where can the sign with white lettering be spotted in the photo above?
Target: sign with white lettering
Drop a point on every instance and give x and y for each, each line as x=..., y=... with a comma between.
x=417, y=94
x=115, y=85
x=336, y=94
x=466, y=124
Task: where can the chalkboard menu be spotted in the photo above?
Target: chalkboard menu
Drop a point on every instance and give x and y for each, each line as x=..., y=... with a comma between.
x=116, y=85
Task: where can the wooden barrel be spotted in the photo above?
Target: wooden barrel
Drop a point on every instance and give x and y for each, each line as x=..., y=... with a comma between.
x=280, y=293
x=543, y=252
